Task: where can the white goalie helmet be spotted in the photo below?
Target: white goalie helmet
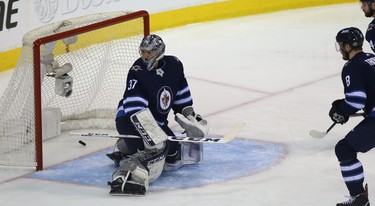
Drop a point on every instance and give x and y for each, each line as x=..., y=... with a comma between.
x=151, y=43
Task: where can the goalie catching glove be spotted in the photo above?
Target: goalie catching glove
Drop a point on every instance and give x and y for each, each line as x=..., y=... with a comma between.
x=194, y=124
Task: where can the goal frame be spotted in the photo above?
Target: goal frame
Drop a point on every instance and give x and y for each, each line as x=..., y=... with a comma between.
x=37, y=72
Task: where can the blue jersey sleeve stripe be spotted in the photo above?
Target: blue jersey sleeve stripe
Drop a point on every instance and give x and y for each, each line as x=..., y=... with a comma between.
x=183, y=96
x=135, y=99
x=131, y=105
x=183, y=91
x=133, y=109
x=360, y=94
x=356, y=99
x=183, y=101
x=123, y=112
x=355, y=105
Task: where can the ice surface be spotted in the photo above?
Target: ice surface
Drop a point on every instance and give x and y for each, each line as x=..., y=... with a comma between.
x=277, y=72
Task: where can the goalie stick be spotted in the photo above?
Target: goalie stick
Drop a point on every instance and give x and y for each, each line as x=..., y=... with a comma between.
x=319, y=135
x=227, y=138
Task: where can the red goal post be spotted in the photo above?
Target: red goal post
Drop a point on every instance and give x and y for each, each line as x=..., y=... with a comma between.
x=79, y=69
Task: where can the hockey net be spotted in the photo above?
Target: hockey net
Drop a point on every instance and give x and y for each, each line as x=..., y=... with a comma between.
x=70, y=74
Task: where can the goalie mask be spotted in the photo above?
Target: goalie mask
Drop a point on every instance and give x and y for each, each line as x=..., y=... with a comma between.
x=151, y=49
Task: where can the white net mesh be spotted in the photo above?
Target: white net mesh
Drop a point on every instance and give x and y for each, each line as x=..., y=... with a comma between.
x=100, y=59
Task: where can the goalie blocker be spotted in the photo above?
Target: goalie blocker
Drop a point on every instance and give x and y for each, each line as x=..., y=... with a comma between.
x=187, y=152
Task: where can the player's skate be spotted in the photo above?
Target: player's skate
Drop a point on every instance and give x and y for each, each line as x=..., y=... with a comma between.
x=359, y=200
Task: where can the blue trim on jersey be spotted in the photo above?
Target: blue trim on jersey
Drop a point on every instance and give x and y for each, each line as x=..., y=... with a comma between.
x=360, y=94
x=183, y=91
x=135, y=99
x=183, y=96
x=355, y=105
x=183, y=101
x=133, y=109
x=132, y=105
x=356, y=99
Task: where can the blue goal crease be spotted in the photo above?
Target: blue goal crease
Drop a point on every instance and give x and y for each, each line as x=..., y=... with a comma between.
x=221, y=162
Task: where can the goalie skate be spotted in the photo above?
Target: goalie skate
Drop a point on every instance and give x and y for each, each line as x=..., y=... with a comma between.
x=121, y=188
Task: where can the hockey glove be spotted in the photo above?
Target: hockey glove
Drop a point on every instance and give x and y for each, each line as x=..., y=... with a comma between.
x=194, y=124
x=335, y=115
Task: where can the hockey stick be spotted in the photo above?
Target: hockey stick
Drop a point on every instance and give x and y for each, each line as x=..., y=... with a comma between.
x=319, y=135
x=227, y=138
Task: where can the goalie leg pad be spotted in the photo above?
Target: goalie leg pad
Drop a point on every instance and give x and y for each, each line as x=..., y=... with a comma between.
x=122, y=185
x=189, y=153
x=137, y=171
x=154, y=162
x=130, y=178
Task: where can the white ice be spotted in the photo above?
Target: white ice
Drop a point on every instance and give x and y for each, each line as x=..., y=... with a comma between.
x=277, y=72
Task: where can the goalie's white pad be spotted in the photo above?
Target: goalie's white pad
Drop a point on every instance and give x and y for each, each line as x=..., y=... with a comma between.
x=149, y=129
x=192, y=127
x=137, y=171
x=191, y=154
x=132, y=178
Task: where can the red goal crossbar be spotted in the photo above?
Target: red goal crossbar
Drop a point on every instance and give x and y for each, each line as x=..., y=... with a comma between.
x=37, y=62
